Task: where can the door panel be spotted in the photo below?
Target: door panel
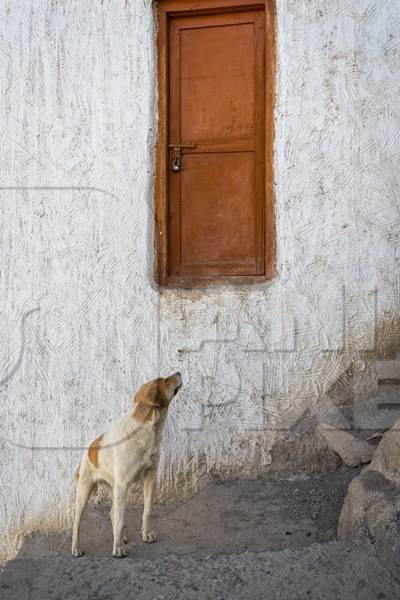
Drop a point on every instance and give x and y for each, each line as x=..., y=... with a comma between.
x=217, y=104
x=209, y=68
x=218, y=183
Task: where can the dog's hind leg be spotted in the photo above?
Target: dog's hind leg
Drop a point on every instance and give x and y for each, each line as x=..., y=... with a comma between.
x=84, y=487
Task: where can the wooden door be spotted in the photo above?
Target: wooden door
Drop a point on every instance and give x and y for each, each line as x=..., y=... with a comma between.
x=216, y=145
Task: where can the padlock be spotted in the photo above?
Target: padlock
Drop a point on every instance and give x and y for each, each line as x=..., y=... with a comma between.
x=176, y=164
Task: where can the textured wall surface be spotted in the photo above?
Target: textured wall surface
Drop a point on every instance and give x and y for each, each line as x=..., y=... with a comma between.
x=82, y=324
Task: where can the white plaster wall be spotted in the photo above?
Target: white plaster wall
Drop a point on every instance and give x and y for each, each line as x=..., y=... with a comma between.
x=82, y=324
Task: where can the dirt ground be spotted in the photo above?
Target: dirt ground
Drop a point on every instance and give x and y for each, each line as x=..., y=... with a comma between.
x=235, y=527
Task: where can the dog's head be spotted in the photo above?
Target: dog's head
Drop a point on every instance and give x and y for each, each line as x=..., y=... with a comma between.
x=156, y=394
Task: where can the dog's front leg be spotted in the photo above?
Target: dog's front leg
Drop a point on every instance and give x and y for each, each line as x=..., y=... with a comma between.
x=149, y=481
x=118, y=508
x=83, y=490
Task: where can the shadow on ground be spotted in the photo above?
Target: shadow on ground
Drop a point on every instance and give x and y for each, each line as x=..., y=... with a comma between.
x=227, y=517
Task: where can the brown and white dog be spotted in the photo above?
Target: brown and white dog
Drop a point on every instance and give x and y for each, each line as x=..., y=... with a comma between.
x=127, y=452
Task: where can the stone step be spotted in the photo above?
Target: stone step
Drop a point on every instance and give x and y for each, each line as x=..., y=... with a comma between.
x=334, y=570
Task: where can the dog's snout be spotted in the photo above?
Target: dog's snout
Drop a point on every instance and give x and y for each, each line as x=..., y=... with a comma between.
x=178, y=378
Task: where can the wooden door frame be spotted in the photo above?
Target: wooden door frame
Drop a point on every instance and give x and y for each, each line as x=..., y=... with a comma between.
x=165, y=10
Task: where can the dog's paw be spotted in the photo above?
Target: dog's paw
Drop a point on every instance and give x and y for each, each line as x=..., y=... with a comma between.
x=119, y=552
x=77, y=552
x=148, y=537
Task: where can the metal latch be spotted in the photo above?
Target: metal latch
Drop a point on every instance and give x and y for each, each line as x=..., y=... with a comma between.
x=177, y=155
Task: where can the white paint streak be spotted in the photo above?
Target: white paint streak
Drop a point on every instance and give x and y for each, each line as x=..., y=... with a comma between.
x=77, y=133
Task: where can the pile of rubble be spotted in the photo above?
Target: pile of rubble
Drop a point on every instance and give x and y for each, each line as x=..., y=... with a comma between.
x=371, y=509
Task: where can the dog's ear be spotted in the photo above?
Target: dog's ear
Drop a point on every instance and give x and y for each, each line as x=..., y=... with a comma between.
x=146, y=399
x=153, y=396
x=149, y=395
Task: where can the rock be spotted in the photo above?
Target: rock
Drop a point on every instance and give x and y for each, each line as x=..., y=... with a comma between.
x=365, y=491
x=371, y=509
x=375, y=436
x=351, y=450
x=387, y=455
